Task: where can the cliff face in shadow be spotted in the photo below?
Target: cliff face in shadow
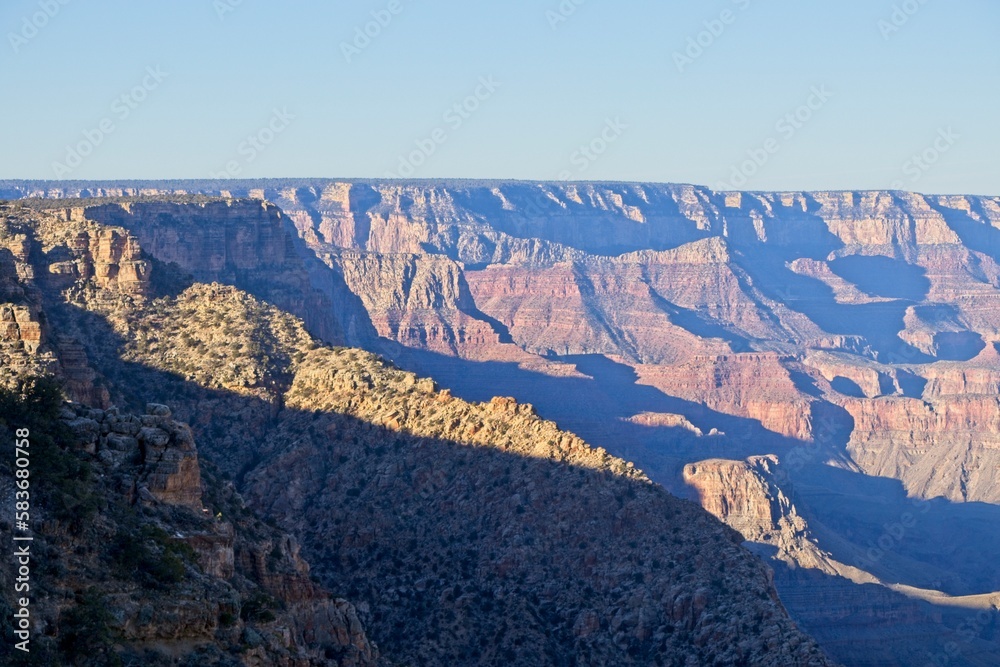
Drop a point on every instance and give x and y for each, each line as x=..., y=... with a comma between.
x=465, y=533
x=852, y=336
x=140, y=554
x=674, y=279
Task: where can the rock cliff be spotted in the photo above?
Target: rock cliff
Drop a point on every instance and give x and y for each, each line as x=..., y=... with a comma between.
x=138, y=557
x=747, y=495
x=444, y=520
x=846, y=333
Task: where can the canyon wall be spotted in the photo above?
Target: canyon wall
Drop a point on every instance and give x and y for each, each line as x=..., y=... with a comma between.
x=444, y=520
x=851, y=335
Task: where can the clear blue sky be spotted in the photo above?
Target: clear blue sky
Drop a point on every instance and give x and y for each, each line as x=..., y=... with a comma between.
x=930, y=87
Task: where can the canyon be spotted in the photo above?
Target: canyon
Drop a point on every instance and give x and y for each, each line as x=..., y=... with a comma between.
x=820, y=371
x=435, y=521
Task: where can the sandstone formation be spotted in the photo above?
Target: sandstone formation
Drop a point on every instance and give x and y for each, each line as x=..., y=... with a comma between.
x=445, y=521
x=818, y=585
x=143, y=559
x=852, y=334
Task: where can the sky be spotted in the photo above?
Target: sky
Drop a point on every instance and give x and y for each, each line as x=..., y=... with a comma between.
x=730, y=94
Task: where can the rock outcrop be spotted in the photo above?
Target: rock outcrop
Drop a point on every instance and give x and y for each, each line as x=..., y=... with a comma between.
x=747, y=495
x=242, y=242
x=857, y=329
x=444, y=520
x=142, y=560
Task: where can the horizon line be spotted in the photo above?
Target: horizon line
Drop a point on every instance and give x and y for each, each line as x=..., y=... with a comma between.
x=434, y=180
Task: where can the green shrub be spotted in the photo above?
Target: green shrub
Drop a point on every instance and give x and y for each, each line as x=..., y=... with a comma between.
x=157, y=560
x=61, y=478
x=274, y=558
x=258, y=608
x=85, y=634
